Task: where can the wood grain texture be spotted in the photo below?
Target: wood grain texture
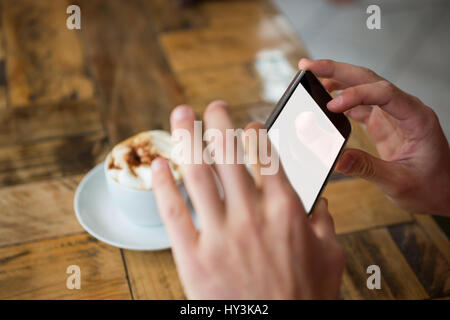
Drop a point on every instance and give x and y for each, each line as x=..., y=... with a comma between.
x=376, y=247
x=22, y=125
x=435, y=234
x=221, y=46
x=136, y=85
x=237, y=85
x=263, y=80
x=44, y=58
x=431, y=268
x=3, y=97
x=38, y=210
x=356, y=204
x=3, y=100
x=237, y=12
x=38, y=270
x=244, y=114
x=153, y=275
x=51, y=158
x=166, y=16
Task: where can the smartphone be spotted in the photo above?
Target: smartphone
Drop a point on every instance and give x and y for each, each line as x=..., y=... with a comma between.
x=307, y=136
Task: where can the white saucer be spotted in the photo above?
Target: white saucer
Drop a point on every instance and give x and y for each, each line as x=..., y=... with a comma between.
x=98, y=216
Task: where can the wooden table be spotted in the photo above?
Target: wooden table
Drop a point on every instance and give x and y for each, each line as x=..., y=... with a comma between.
x=67, y=96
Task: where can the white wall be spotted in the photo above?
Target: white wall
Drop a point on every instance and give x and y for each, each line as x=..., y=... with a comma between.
x=412, y=49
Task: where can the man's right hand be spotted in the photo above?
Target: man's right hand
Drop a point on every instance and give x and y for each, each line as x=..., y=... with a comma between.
x=414, y=169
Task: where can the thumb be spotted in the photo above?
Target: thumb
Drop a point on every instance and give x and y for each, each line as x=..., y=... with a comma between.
x=321, y=221
x=360, y=164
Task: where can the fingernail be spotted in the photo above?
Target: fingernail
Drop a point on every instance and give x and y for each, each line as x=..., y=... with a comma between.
x=346, y=163
x=336, y=102
x=221, y=103
x=158, y=164
x=218, y=104
x=322, y=203
x=303, y=61
x=181, y=112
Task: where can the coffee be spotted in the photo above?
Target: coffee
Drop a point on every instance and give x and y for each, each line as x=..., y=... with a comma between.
x=129, y=162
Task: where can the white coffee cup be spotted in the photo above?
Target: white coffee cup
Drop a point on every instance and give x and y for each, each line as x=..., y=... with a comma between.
x=136, y=205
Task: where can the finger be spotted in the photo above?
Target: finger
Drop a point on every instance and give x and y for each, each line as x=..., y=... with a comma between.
x=360, y=164
x=360, y=113
x=267, y=167
x=250, y=139
x=381, y=93
x=172, y=208
x=262, y=155
x=332, y=85
x=347, y=74
x=321, y=221
x=236, y=181
x=198, y=177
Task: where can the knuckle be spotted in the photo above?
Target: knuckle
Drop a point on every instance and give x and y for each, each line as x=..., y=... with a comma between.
x=430, y=114
x=288, y=208
x=328, y=65
x=353, y=93
x=370, y=72
x=174, y=211
x=427, y=119
x=367, y=168
x=416, y=101
x=388, y=87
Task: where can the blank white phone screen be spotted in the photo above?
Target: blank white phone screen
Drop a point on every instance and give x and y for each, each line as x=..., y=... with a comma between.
x=308, y=144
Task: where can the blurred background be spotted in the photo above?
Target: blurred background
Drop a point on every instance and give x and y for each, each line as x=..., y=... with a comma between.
x=412, y=49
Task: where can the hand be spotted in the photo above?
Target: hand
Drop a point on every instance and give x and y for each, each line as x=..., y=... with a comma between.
x=414, y=169
x=254, y=244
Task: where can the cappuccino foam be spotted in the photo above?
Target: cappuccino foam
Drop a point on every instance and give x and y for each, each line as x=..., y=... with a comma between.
x=129, y=162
